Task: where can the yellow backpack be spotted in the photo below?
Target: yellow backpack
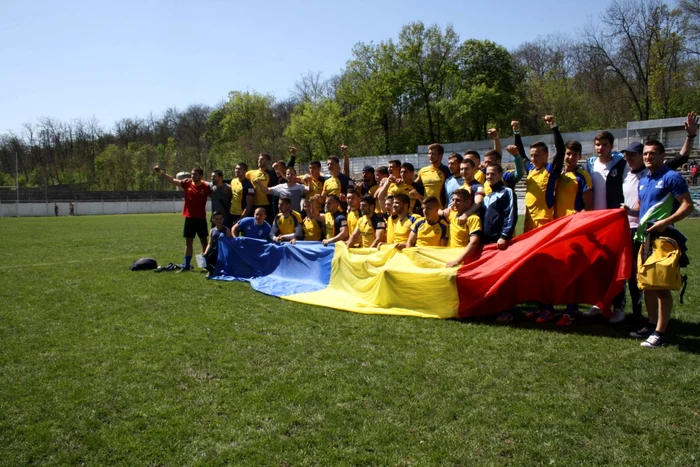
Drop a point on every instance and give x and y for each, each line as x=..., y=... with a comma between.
x=660, y=268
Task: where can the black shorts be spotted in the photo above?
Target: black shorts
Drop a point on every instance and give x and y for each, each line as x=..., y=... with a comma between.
x=195, y=227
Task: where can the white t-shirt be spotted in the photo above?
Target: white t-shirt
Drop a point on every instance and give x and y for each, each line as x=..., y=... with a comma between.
x=294, y=193
x=630, y=188
x=599, y=177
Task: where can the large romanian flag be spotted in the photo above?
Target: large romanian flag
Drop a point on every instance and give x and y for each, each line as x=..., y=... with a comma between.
x=583, y=258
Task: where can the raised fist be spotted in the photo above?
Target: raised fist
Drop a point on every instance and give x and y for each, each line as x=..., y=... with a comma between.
x=515, y=125
x=493, y=133
x=512, y=149
x=691, y=124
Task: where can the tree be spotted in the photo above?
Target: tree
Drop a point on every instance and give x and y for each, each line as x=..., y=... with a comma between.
x=317, y=128
x=631, y=40
x=428, y=56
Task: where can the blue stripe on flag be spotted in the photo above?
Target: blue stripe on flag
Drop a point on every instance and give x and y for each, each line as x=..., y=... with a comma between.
x=276, y=270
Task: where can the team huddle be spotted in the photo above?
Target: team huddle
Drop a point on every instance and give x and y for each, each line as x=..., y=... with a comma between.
x=466, y=204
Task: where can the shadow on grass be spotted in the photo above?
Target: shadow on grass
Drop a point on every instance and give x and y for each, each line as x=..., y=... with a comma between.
x=684, y=335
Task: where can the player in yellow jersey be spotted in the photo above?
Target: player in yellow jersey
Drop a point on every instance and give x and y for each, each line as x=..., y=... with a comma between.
x=371, y=228
x=388, y=209
x=574, y=189
x=430, y=230
x=261, y=174
x=314, y=185
x=287, y=224
x=335, y=222
x=337, y=183
x=242, y=194
x=353, y=211
x=573, y=193
x=541, y=179
x=398, y=226
x=539, y=196
x=473, y=187
x=433, y=176
x=460, y=235
x=467, y=235
x=395, y=169
x=405, y=185
x=312, y=228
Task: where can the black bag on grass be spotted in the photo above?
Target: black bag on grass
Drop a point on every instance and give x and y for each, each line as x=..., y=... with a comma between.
x=144, y=264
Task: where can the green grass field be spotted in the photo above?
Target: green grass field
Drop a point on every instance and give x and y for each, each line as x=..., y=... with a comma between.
x=104, y=366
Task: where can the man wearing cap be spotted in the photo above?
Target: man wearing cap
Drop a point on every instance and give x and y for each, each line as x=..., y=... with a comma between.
x=369, y=185
x=636, y=170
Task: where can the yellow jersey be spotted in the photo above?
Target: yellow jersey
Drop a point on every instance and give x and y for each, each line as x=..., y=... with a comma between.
x=480, y=176
x=568, y=197
x=459, y=234
x=313, y=229
x=368, y=227
x=334, y=222
x=315, y=187
x=337, y=185
x=537, y=213
x=433, y=181
x=260, y=198
x=430, y=235
x=287, y=225
x=353, y=217
x=398, y=229
x=403, y=188
x=239, y=192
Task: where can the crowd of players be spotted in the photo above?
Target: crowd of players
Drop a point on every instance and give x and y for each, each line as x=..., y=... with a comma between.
x=468, y=203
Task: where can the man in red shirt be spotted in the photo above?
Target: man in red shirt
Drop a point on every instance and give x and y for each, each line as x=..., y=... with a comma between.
x=195, y=210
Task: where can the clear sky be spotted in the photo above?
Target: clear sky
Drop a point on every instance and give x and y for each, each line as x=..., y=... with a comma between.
x=74, y=59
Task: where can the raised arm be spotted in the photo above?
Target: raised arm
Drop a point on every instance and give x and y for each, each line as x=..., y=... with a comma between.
x=518, y=140
x=493, y=133
x=293, y=157
x=517, y=151
x=346, y=160
x=381, y=193
x=166, y=177
x=558, y=163
x=691, y=129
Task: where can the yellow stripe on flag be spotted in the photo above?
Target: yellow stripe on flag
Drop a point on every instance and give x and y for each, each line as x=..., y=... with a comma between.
x=412, y=282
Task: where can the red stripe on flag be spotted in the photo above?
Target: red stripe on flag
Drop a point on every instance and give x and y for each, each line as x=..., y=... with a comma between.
x=583, y=258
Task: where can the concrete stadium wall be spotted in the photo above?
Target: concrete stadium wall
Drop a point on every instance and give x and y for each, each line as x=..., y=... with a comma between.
x=89, y=208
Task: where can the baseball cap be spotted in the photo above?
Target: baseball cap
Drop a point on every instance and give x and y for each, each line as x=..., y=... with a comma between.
x=368, y=168
x=634, y=147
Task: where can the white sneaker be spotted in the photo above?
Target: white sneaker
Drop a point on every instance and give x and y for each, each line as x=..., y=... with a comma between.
x=593, y=311
x=618, y=316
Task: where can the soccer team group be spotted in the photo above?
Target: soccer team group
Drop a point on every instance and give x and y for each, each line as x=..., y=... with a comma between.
x=466, y=204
